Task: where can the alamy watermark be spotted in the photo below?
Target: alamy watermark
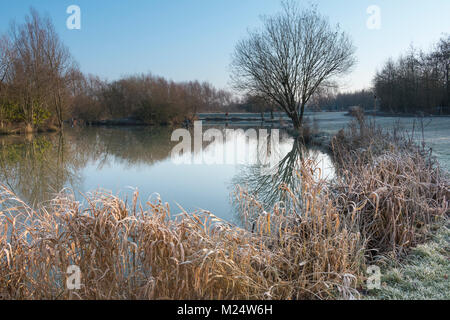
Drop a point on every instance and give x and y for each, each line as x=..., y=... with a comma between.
x=374, y=279
x=374, y=20
x=73, y=22
x=73, y=281
x=260, y=147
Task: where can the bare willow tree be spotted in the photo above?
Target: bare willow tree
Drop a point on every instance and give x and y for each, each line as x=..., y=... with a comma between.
x=295, y=53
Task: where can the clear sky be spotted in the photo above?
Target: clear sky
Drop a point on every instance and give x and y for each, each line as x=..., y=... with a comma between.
x=194, y=39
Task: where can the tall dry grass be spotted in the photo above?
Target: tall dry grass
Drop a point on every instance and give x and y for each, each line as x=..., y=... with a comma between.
x=132, y=252
x=397, y=186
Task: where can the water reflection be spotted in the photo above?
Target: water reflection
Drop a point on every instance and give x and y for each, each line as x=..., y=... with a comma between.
x=36, y=167
x=114, y=158
x=269, y=189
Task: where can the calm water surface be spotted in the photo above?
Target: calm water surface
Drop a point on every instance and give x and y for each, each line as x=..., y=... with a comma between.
x=123, y=159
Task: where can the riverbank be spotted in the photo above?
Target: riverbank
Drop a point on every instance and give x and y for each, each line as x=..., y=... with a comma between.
x=21, y=129
x=279, y=120
x=404, y=115
x=314, y=244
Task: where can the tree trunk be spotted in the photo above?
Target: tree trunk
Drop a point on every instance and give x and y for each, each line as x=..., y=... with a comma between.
x=297, y=122
x=297, y=119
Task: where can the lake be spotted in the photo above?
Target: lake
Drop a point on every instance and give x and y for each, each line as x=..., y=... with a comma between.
x=123, y=159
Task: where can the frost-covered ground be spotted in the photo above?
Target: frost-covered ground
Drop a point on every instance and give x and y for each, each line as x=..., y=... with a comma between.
x=422, y=275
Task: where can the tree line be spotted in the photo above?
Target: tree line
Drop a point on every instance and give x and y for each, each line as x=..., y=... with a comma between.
x=417, y=81
x=291, y=63
x=146, y=98
x=330, y=100
x=41, y=86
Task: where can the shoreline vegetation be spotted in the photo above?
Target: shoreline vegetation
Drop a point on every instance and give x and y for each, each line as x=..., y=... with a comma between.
x=388, y=197
x=229, y=118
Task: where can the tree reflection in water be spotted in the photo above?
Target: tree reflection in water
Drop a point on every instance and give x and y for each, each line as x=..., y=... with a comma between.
x=36, y=167
x=83, y=159
x=272, y=189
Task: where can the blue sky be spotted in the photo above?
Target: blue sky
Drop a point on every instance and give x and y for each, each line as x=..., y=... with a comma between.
x=194, y=39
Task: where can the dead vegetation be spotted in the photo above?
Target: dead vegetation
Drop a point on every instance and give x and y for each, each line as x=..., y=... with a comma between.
x=314, y=245
x=128, y=252
x=397, y=185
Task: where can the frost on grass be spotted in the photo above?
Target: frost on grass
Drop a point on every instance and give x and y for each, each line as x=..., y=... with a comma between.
x=422, y=275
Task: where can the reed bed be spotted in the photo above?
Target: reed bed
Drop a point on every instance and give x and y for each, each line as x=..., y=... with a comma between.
x=134, y=252
x=397, y=186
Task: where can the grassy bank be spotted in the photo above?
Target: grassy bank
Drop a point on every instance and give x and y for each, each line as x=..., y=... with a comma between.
x=388, y=197
x=423, y=274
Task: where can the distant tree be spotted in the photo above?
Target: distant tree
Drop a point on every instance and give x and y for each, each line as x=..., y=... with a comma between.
x=417, y=81
x=257, y=104
x=294, y=54
x=61, y=68
x=364, y=99
x=442, y=55
x=5, y=68
x=39, y=70
x=88, y=102
x=5, y=59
